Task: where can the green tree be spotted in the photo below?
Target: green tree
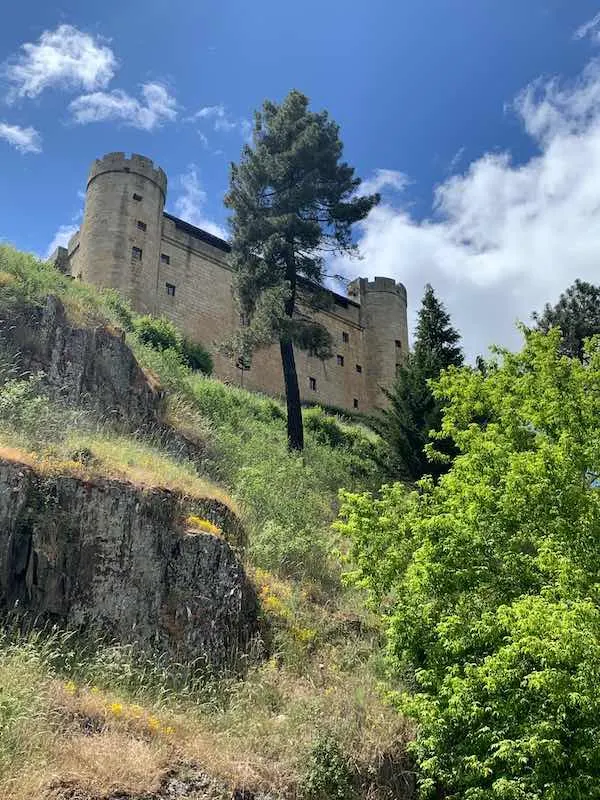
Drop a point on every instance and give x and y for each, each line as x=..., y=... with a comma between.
x=488, y=582
x=413, y=411
x=577, y=314
x=293, y=202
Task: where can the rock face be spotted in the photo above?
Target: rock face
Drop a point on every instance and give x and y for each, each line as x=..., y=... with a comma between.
x=113, y=558
x=82, y=366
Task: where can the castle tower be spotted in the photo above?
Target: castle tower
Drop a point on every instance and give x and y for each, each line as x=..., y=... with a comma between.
x=383, y=306
x=119, y=242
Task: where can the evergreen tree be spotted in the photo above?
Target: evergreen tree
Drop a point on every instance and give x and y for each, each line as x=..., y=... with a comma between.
x=577, y=314
x=413, y=411
x=293, y=202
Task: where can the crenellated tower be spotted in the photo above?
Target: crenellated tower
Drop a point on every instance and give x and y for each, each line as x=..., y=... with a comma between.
x=383, y=315
x=120, y=238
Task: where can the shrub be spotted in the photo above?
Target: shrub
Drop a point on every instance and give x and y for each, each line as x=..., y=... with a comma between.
x=120, y=308
x=196, y=357
x=158, y=333
x=25, y=409
x=328, y=776
x=325, y=428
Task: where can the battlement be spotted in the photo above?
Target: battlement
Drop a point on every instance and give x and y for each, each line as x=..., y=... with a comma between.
x=138, y=164
x=361, y=286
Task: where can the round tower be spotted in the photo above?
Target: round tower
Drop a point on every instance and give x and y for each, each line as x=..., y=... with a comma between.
x=383, y=315
x=119, y=241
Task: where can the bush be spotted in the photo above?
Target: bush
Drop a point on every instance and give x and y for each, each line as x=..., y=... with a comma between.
x=329, y=776
x=120, y=308
x=24, y=408
x=489, y=583
x=158, y=333
x=196, y=357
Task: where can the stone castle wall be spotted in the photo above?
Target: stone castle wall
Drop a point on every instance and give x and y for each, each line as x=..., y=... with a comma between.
x=168, y=267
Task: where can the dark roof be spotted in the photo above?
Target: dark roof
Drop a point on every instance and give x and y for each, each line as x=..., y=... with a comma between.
x=198, y=233
x=225, y=247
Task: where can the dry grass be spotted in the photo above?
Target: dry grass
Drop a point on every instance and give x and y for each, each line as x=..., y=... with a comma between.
x=256, y=732
x=117, y=458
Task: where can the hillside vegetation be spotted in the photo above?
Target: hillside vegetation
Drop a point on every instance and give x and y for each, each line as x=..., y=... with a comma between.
x=97, y=718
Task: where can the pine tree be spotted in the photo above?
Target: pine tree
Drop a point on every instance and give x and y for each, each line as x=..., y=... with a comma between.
x=413, y=411
x=577, y=314
x=293, y=202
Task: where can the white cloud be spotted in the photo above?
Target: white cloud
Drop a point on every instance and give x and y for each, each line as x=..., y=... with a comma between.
x=157, y=106
x=60, y=238
x=384, y=179
x=590, y=28
x=190, y=205
x=26, y=140
x=503, y=238
x=65, y=58
x=222, y=122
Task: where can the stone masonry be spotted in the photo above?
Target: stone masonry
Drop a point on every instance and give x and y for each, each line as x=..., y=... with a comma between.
x=166, y=266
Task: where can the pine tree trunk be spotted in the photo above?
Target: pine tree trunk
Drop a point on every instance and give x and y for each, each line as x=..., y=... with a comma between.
x=295, y=429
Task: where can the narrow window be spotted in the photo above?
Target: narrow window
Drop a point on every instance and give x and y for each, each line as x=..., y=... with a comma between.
x=355, y=402
x=345, y=337
x=136, y=253
x=137, y=197
x=340, y=361
x=398, y=368
x=312, y=382
x=358, y=368
x=398, y=343
x=170, y=289
x=165, y=258
x=141, y=225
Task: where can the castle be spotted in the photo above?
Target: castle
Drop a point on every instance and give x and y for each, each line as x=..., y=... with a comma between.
x=167, y=267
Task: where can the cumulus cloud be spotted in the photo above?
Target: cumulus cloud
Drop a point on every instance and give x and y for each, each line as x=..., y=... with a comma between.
x=191, y=203
x=503, y=237
x=590, y=28
x=25, y=140
x=155, y=107
x=384, y=179
x=60, y=238
x=65, y=58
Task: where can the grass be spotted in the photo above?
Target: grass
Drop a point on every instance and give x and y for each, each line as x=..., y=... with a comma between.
x=99, y=716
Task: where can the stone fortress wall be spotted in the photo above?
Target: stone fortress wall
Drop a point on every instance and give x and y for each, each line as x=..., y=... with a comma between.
x=166, y=266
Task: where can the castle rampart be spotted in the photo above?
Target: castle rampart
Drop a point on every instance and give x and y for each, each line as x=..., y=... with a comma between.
x=166, y=266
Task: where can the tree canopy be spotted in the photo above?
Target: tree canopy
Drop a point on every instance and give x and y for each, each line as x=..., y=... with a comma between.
x=294, y=201
x=577, y=314
x=413, y=410
x=488, y=582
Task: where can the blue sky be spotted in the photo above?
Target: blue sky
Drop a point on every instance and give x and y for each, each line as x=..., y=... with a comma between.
x=479, y=121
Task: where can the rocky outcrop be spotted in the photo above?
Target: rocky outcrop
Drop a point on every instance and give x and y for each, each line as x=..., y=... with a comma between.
x=110, y=557
x=82, y=365
x=186, y=782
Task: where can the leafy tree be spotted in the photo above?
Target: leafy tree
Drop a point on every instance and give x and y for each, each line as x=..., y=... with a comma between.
x=293, y=201
x=577, y=314
x=488, y=582
x=413, y=410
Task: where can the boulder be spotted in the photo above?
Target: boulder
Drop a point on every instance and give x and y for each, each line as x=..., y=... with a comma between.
x=116, y=559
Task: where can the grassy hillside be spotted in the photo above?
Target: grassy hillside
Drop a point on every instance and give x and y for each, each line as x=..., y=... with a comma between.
x=307, y=722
